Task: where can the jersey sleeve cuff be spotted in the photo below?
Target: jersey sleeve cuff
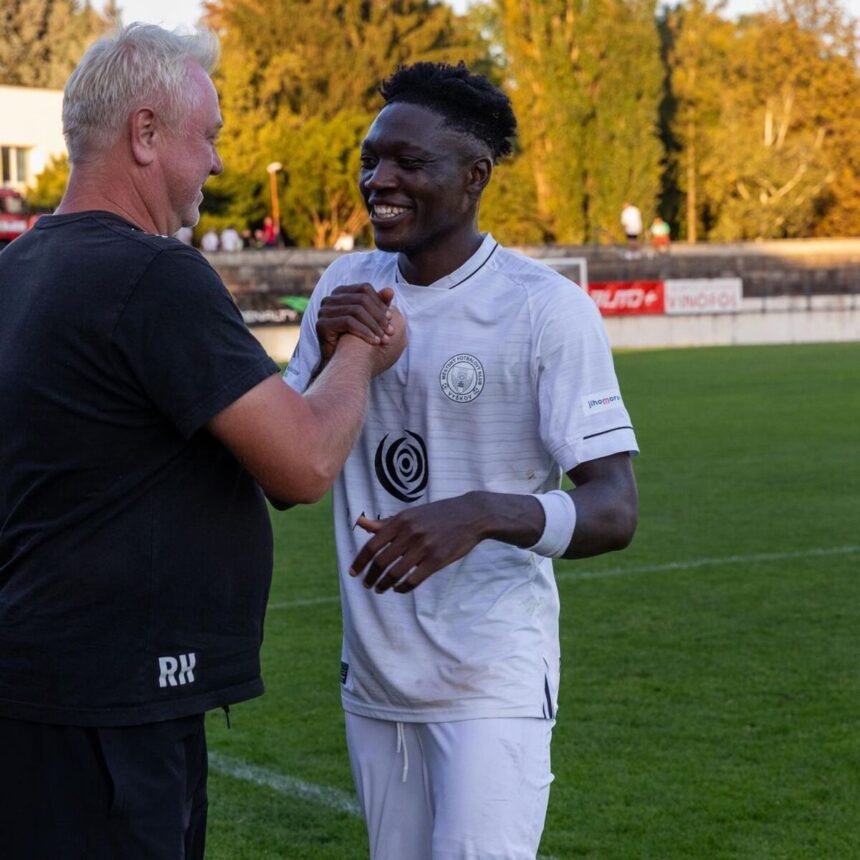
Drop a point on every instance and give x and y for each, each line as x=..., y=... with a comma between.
x=227, y=394
x=602, y=443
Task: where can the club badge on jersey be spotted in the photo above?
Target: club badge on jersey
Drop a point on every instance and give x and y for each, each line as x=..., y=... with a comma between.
x=462, y=378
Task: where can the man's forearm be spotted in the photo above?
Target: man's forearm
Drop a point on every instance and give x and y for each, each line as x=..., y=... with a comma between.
x=295, y=445
x=337, y=400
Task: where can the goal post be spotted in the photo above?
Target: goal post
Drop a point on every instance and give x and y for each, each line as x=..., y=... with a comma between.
x=574, y=268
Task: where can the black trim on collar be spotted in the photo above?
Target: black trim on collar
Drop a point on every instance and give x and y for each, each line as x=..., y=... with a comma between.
x=475, y=272
x=402, y=279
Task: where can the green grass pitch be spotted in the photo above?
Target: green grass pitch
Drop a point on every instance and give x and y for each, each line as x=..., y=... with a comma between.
x=709, y=704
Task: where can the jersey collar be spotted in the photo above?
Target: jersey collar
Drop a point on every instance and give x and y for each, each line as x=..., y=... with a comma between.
x=462, y=274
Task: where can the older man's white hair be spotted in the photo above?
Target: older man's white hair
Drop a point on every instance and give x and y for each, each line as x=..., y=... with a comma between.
x=142, y=65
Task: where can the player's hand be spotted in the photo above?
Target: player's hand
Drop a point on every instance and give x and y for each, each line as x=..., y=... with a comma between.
x=392, y=347
x=356, y=309
x=410, y=547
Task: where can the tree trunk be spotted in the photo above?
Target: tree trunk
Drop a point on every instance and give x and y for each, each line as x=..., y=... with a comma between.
x=691, y=181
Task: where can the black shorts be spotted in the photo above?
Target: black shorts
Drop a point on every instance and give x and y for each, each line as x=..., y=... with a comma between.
x=129, y=793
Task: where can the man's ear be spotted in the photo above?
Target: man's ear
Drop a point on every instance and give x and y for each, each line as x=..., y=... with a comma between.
x=480, y=171
x=144, y=133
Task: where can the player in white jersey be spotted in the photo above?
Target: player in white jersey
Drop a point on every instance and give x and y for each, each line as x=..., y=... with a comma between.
x=450, y=664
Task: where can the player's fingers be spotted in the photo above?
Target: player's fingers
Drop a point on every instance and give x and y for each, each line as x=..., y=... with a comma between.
x=393, y=576
x=419, y=574
x=372, y=526
x=374, y=318
x=352, y=319
x=376, y=303
x=329, y=331
x=382, y=561
x=367, y=552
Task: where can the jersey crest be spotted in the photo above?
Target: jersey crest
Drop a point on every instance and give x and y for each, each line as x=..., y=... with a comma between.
x=462, y=378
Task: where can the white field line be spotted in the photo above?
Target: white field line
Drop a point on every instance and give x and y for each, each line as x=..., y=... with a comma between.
x=332, y=798
x=708, y=562
x=691, y=564
x=305, y=601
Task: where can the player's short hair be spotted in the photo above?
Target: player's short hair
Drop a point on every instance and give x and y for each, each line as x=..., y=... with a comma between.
x=141, y=64
x=470, y=103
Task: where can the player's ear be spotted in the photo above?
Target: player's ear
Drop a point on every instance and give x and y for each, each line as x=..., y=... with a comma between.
x=479, y=172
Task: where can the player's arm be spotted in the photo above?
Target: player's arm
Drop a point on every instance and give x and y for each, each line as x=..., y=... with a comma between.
x=294, y=444
x=607, y=506
x=411, y=546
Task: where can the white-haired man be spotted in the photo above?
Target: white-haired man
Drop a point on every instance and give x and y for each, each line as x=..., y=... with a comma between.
x=139, y=420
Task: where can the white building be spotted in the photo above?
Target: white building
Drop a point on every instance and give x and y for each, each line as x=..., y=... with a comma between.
x=31, y=132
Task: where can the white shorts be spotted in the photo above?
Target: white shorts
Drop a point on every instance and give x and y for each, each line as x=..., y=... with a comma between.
x=465, y=790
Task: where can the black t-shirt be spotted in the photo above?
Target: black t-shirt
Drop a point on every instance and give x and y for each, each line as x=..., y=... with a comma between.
x=135, y=551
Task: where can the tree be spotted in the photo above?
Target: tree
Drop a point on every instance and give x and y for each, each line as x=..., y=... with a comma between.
x=509, y=205
x=50, y=184
x=586, y=83
x=41, y=41
x=766, y=121
x=698, y=46
x=298, y=82
x=320, y=197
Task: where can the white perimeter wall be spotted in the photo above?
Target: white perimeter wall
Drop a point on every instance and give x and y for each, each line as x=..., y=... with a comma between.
x=784, y=320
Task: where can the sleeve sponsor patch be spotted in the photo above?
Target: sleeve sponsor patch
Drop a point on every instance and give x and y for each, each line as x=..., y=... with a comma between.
x=602, y=401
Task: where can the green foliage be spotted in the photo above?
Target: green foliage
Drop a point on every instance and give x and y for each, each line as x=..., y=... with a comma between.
x=321, y=195
x=698, y=44
x=586, y=83
x=509, y=205
x=766, y=126
x=298, y=85
x=41, y=41
x=732, y=129
x=50, y=184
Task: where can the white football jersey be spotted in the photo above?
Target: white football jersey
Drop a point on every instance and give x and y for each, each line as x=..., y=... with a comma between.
x=507, y=382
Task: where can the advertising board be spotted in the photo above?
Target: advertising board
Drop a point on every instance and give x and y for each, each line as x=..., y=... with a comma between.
x=703, y=295
x=616, y=298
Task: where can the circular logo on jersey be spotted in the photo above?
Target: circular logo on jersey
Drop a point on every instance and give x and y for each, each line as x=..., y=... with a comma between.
x=462, y=378
x=401, y=466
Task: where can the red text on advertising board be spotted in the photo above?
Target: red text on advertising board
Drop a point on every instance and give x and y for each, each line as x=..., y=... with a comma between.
x=615, y=298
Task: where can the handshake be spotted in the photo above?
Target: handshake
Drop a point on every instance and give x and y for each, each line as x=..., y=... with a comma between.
x=360, y=312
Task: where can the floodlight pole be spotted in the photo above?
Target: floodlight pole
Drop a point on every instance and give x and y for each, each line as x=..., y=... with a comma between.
x=273, y=169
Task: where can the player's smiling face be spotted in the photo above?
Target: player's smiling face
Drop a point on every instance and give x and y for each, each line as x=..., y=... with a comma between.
x=415, y=180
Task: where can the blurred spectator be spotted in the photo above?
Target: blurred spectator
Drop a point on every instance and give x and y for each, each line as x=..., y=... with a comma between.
x=209, y=242
x=184, y=234
x=344, y=242
x=631, y=221
x=271, y=232
x=660, y=233
x=230, y=240
x=247, y=238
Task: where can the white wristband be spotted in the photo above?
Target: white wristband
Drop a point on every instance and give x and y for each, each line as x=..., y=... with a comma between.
x=560, y=513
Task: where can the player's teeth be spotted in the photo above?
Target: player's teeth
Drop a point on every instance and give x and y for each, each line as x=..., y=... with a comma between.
x=387, y=211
